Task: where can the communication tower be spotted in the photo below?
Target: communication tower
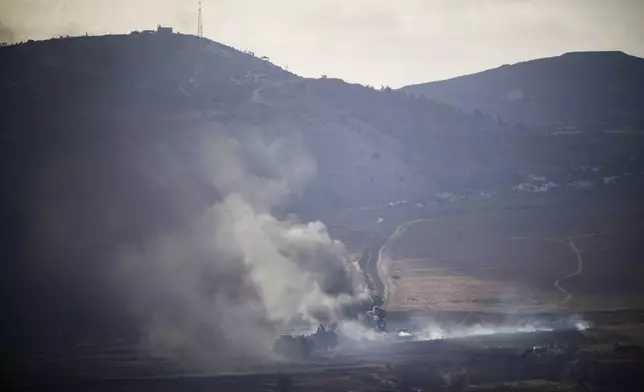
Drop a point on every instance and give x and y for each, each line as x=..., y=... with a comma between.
x=200, y=22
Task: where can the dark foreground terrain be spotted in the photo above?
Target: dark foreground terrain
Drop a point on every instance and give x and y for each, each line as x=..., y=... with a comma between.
x=561, y=360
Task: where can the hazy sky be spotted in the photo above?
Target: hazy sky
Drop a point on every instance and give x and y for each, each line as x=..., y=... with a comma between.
x=394, y=42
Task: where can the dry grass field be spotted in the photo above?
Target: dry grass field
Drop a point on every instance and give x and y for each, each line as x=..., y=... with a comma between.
x=510, y=260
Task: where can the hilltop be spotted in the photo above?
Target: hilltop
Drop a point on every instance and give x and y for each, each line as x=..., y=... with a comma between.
x=580, y=90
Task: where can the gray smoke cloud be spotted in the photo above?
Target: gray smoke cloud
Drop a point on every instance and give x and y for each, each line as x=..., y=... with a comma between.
x=224, y=286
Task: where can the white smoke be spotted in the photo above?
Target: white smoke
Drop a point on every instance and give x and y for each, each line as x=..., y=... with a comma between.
x=358, y=332
x=428, y=329
x=224, y=286
x=438, y=332
x=432, y=330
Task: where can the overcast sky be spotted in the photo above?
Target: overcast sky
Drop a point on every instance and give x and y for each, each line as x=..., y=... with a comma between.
x=393, y=42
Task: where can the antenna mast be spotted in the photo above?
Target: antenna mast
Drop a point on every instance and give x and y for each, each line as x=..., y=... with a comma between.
x=200, y=23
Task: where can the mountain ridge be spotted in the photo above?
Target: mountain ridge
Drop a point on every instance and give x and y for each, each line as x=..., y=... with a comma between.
x=574, y=53
x=576, y=89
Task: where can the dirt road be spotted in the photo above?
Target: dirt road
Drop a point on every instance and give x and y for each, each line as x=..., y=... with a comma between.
x=384, y=260
x=580, y=261
x=579, y=270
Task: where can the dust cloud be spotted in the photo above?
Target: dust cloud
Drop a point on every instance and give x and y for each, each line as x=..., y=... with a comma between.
x=223, y=287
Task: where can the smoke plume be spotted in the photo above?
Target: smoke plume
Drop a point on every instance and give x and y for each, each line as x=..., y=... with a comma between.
x=222, y=287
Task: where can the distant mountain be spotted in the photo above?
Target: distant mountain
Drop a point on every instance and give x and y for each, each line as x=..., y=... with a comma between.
x=603, y=90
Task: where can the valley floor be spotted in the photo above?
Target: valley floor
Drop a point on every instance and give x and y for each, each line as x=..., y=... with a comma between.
x=580, y=256
x=457, y=268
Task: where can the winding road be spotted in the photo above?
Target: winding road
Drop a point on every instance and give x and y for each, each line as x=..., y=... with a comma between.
x=378, y=273
x=370, y=266
x=580, y=269
x=580, y=261
x=255, y=97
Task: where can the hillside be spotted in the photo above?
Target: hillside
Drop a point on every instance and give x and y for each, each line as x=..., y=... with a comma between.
x=584, y=90
x=100, y=97
x=109, y=141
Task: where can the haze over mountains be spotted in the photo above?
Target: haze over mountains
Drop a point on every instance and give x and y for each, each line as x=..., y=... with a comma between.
x=582, y=90
x=106, y=142
x=371, y=146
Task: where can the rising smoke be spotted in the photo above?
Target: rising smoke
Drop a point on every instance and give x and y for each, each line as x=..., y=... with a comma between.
x=226, y=284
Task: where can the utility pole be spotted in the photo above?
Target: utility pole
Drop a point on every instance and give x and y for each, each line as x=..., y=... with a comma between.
x=200, y=23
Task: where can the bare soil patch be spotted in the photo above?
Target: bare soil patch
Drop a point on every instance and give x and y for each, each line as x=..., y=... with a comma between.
x=510, y=260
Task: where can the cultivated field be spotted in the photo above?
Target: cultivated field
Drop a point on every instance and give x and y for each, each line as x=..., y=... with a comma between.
x=585, y=255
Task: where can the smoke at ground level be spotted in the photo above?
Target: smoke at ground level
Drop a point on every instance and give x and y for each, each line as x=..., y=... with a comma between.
x=227, y=283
